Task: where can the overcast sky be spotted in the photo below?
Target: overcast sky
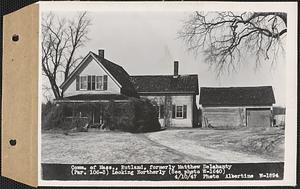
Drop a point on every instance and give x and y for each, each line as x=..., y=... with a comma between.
x=146, y=43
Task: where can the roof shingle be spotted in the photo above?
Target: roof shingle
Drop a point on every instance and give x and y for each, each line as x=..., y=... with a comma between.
x=132, y=85
x=119, y=74
x=166, y=83
x=237, y=96
x=96, y=97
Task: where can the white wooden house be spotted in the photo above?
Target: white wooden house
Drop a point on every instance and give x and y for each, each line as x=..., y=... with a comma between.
x=174, y=95
x=97, y=79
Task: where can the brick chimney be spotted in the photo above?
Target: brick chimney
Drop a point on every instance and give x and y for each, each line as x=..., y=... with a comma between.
x=175, y=69
x=101, y=53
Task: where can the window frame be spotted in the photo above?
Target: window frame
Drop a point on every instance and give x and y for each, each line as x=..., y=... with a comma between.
x=160, y=108
x=161, y=112
x=84, y=83
x=157, y=111
x=96, y=82
x=82, y=115
x=176, y=111
x=81, y=82
x=93, y=82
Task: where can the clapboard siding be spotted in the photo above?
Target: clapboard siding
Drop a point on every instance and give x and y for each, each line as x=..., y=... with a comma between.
x=235, y=116
x=93, y=68
x=259, y=118
x=222, y=110
x=279, y=120
x=183, y=100
x=178, y=100
x=218, y=117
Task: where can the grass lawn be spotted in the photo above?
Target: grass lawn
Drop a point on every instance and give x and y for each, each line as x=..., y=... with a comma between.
x=188, y=145
x=106, y=147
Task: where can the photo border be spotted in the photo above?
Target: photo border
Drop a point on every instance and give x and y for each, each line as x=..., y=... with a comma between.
x=291, y=83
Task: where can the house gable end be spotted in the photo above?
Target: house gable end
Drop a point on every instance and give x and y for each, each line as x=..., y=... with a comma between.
x=80, y=68
x=90, y=66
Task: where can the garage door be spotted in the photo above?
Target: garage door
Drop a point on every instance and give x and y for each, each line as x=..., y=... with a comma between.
x=220, y=117
x=259, y=118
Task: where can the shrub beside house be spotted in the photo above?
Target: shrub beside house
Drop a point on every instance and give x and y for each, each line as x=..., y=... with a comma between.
x=134, y=115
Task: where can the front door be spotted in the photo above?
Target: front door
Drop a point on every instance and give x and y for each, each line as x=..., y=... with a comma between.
x=96, y=117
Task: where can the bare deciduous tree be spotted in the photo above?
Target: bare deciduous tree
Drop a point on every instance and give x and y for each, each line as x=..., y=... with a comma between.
x=225, y=36
x=60, y=40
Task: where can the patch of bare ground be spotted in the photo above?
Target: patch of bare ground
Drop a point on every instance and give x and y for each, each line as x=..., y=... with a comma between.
x=231, y=145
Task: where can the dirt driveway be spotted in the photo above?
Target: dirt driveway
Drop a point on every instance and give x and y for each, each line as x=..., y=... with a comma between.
x=236, y=146
x=168, y=146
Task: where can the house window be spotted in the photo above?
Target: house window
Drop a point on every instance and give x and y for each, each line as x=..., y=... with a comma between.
x=91, y=82
x=99, y=82
x=179, y=111
x=83, y=114
x=160, y=110
x=83, y=82
x=157, y=111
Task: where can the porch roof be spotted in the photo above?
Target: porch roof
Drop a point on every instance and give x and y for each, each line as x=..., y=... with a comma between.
x=93, y=97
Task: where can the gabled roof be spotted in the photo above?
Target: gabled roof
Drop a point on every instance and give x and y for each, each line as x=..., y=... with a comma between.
x=237, y=96
x=117, y=72
x=165, y=84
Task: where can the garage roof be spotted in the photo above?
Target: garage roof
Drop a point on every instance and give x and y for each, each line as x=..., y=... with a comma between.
x=237, y=96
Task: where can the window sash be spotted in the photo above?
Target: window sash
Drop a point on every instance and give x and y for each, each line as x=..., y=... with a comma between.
x=99, y=83
x=92, y=82
x=157, y=111
x=83, y=82
x=89, y=83
x=179, y=111
x=161, y=111
x=83, y=115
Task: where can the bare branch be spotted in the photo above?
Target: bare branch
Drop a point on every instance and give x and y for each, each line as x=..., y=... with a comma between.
x=60, y=40
x=224, y=36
